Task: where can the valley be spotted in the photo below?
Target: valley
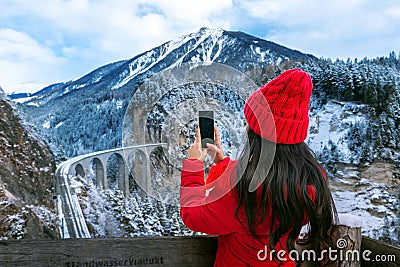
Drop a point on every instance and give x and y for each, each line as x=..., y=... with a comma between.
x=354, y=126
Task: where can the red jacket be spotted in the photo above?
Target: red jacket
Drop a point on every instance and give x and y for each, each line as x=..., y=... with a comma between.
x=212, y=211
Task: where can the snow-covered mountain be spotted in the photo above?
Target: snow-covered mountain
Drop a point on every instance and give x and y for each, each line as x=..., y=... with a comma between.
x=67, y=114
x=355, y=111
x=85, y=115
x=235, y=49
x=23, y=97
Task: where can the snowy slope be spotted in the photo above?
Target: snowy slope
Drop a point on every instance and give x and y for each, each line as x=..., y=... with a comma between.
x=85, y=115
x=331, y=125
x=235, y=49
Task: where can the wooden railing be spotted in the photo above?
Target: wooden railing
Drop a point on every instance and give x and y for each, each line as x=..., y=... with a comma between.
x=380, y=251
x=141, y=251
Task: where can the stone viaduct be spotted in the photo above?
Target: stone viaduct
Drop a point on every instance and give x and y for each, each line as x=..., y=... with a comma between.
x=132, y=165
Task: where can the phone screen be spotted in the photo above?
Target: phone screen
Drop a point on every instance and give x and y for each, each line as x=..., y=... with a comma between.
x=206, y=124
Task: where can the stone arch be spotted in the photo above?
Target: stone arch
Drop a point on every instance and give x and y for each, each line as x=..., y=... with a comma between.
x=116, y=172
x=79, y=170
x=98, y=169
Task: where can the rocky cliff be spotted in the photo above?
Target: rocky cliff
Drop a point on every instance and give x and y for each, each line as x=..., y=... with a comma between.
x=26, y=168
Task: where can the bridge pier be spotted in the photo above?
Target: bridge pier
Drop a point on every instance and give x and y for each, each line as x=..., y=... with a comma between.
x=146, y=174
x=121, y=177
x=126, y=181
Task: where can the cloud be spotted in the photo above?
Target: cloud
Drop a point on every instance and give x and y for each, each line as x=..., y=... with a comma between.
x=65, y=39
x=23, y=59
x=73, y=37
x=118, y=27
x=333, y=29
x=77, y=36
x=194, y=12
x=19, y=46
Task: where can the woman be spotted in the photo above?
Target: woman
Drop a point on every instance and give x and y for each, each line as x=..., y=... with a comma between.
x=258, y=204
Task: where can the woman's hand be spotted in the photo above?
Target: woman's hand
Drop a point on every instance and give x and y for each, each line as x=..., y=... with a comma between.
x=196, y=151
x=215, y=150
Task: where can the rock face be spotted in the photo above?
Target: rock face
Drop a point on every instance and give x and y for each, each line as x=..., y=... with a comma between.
x=26, y=169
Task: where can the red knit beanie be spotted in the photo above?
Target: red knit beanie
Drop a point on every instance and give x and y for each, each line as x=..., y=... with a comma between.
x=283, y=103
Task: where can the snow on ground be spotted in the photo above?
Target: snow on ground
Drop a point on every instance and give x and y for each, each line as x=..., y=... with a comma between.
x=331, y=124
x=370, y=195
x=109, y=213
x=46, y=124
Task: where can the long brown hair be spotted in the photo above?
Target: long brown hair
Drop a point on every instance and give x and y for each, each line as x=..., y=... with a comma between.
x=286, y=176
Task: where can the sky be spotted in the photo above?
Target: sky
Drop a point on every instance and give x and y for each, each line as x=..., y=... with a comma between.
x=43, y=42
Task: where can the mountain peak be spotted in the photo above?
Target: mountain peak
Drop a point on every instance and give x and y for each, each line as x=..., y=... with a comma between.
x=2, y=94
x=210, y=31
x=235, y=49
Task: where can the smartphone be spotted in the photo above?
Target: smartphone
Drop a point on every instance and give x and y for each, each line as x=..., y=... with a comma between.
x=206, y=124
